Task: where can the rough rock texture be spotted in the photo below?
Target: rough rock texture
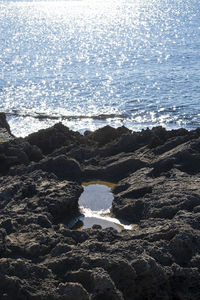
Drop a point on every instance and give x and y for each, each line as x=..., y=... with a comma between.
x=54, y=137
x=17, y=152
x=104, y=135
x=4, y=123
x=5, y=133
x=14, y=151
x=62, y=166
x=140, y=196
x=157, y=190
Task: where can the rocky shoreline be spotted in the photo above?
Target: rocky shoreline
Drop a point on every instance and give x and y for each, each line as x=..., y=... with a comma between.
x=157, y=188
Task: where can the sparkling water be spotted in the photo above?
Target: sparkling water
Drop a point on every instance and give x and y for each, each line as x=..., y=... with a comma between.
x=90, y=63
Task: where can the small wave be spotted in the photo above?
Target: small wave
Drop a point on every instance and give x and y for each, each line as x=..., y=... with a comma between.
x=42, y=116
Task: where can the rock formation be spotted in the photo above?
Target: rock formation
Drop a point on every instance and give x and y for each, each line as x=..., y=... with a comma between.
x=157, y=189
x=5, y=133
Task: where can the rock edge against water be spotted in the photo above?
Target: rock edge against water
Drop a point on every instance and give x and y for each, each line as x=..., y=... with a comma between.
x=157, y=188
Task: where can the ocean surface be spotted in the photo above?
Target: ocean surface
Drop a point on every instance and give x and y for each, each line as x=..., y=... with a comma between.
x=90, y=63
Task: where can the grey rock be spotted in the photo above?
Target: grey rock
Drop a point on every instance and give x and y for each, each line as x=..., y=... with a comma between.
x=157, y=190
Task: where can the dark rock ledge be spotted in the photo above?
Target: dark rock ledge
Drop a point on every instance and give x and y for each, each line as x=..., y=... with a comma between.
x=158, y=188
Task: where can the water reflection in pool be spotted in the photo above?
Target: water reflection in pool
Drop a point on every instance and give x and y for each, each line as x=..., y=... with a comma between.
x=95, y=203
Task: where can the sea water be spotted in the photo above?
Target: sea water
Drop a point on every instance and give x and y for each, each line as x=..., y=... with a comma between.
x=90, y=63
x=95, y=206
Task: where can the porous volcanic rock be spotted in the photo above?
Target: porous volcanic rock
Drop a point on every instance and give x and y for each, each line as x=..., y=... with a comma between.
x=62, y=166
x=39, y=195
x=139, y=196
x=157, y=190
x=54, y=137
x=106, y=134
x=17, y=152
x=5, y=133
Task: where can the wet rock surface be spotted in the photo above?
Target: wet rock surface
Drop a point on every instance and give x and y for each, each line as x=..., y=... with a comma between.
x=157, y=188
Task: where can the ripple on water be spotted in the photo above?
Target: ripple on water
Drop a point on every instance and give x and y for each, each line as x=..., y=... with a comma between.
x=132, y=59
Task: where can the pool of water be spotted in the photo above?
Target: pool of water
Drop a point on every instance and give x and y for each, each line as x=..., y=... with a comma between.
x=95, y=203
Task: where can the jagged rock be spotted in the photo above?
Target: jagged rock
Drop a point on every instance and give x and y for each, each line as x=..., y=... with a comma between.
x=72, y=291
x=63, y=167
x=113, y=169
x=5, y=133
x=17, y=152
x=106, y=134
x=140, y=196
x=97, y=281
x=4, y=123
x=157, y=189
x=54, y=137
x=36, y=196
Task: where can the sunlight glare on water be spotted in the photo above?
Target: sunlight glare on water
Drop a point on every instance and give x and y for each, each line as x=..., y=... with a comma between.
x=90, y=63
x=95, y=204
